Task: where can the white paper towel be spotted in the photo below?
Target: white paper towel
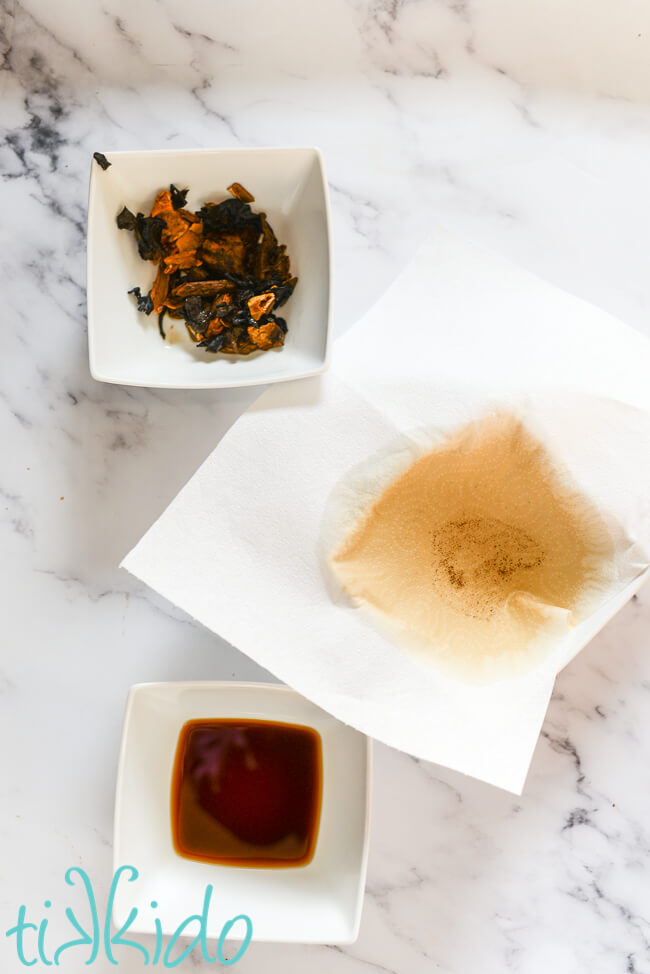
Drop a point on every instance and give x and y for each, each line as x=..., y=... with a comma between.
x=238, y=549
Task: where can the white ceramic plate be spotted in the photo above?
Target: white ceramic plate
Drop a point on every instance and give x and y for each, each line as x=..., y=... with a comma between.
x=124, y=345
x=317, y=903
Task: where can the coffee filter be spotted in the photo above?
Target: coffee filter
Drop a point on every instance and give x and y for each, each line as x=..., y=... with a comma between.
x=460, y=334
x=482, y=621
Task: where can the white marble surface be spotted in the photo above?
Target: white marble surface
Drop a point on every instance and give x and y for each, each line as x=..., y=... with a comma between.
x=523, y=124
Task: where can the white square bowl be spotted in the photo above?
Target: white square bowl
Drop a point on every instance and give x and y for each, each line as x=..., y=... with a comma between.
x=125, y=346
x=317, y=903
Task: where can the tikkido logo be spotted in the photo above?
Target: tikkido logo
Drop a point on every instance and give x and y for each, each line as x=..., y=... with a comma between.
x=32, y=946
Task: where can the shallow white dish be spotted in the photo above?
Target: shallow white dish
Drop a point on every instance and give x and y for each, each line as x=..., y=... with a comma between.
x=317, y=903
x=124, y=345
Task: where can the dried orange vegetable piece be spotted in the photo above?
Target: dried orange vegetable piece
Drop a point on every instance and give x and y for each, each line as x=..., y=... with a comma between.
x=175, y=226
x=162, y=203
x=188, y=216
x=266, y=336
x=240, y=193
x=177, y=262
x=191, y=239
x=159, y=290
x=215, y=327
x=261, y=304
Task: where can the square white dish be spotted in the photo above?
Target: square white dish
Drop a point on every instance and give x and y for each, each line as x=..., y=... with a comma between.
x=125, y=346
x=317, y=903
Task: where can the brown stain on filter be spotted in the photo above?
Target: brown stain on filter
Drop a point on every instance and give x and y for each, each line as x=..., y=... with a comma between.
x=480, y=551
x=483, y=556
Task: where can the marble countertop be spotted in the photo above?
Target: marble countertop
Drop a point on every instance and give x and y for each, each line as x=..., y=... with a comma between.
x=524, y=126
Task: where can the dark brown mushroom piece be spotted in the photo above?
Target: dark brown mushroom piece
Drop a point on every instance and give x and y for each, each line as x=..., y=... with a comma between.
x=101, y=160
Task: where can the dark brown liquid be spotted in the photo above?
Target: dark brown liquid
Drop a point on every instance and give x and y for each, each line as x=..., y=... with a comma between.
x=246, y=792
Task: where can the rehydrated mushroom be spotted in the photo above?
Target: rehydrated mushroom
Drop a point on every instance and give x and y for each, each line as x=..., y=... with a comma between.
x=102, y=161
x=221, y=269
x=145, y=302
